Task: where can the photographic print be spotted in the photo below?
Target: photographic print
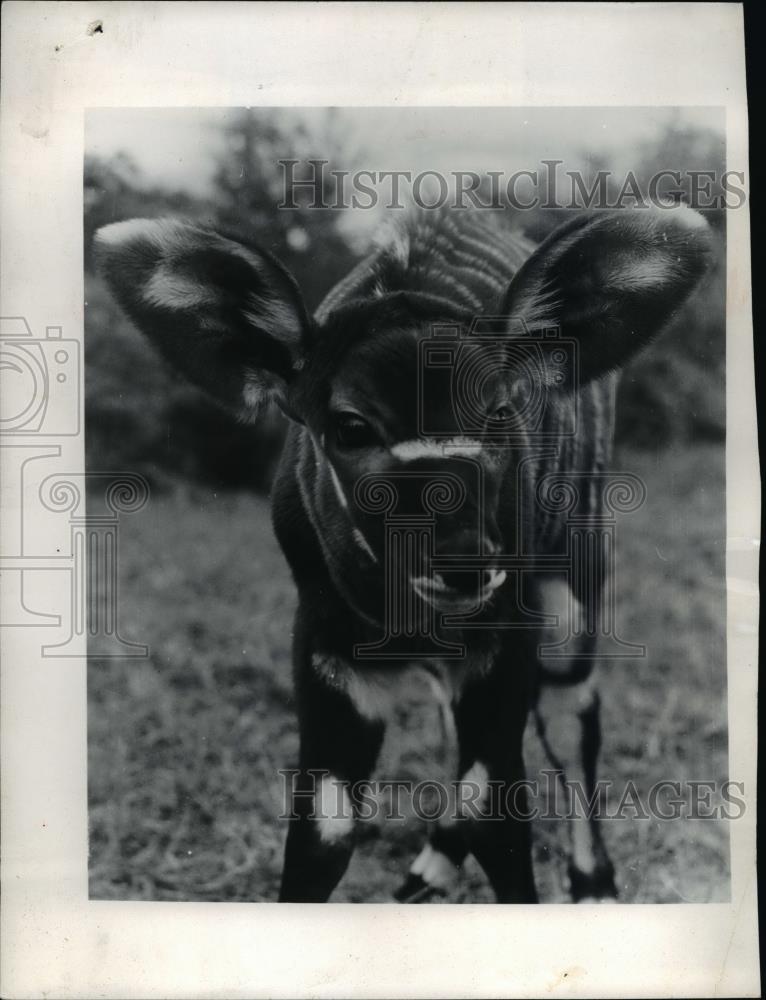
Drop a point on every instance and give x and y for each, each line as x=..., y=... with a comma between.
x=379, y=524
x=427, y=407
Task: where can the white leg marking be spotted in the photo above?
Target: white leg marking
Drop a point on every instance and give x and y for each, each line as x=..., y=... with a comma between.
x=476, y=785
x=582, y=846
x=334, y=816
x=434, y=868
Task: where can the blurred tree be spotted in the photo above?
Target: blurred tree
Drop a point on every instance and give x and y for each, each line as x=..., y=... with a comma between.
x=676, y=390
x=249, y=184
x=693, y=152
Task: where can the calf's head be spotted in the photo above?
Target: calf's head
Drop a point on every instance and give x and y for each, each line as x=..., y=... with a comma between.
x=388, y=432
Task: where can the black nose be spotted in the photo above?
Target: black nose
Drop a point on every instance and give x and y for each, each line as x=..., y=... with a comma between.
x=466, y=544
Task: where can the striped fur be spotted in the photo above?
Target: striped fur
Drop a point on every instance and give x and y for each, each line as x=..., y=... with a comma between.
x=231, y=318
x=464, y=259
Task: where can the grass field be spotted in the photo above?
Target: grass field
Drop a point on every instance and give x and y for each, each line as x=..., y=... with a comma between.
x=184, y=747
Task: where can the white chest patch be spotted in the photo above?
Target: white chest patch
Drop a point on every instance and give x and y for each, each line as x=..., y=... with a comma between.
x=374, y=692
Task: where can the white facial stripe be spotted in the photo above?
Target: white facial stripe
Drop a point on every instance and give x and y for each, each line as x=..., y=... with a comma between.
x=434, y=868
x=309, y=507
x=363, y=544
x=409, y=451
x=423, y=587
x=356, y=533
x=337, y=484
x=332, y=808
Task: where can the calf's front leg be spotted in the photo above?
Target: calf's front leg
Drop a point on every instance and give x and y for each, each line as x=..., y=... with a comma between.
x=338, y=747
x=490, y=714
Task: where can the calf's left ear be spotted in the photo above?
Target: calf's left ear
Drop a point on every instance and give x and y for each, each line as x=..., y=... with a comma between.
x=611, y=281
x=228, y=316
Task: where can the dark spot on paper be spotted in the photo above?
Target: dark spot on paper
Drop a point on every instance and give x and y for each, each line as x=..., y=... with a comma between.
x=96, y=28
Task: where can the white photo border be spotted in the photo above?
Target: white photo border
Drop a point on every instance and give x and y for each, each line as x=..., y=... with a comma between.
x=55, y=66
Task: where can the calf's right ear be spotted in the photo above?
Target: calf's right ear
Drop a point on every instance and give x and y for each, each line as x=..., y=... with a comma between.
x=228, y=316
x=612, y=280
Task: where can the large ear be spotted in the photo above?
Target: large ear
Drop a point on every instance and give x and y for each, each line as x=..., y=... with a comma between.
x=610, y=281
x=228, y=317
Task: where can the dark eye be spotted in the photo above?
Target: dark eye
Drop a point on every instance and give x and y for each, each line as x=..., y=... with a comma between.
x=502, y=415
x=351, y=431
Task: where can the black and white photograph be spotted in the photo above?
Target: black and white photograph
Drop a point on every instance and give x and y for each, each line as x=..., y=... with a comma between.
x=428, y=409
x=380, y=507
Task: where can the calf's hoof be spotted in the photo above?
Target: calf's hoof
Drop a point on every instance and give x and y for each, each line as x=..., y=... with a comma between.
x=597, y=886
x=432, y=874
